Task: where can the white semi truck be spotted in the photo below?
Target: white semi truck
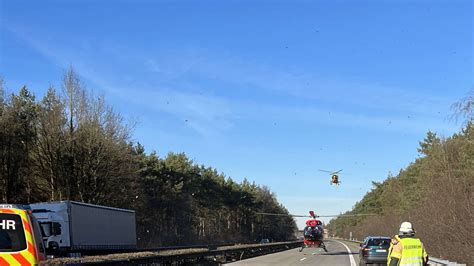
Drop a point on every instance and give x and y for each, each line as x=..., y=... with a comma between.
x=73, y=227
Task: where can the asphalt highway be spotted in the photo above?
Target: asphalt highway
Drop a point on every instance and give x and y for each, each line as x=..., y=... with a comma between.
x=339, y=253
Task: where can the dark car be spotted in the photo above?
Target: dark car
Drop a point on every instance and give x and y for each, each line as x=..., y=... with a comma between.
x=374, y=250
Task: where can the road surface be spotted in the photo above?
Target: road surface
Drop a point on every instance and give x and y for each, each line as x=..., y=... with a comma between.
x=339, y=253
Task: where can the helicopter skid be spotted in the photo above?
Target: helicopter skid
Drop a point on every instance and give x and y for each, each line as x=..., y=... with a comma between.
x=316, y=244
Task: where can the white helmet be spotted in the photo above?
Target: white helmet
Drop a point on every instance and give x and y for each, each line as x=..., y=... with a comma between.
x=406, y=228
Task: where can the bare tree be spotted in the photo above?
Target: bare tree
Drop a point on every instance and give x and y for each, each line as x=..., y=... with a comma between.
x=51, y=145
x=97, y=143
x=464, y=108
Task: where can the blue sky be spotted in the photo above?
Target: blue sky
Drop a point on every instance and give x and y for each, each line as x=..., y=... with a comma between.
x=267, y=90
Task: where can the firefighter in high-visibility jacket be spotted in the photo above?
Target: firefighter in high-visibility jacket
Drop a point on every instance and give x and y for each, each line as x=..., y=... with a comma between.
x=406, y=249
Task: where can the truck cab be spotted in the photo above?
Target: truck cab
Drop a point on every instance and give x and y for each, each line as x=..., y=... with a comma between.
x=20, y=237
x=54, y=223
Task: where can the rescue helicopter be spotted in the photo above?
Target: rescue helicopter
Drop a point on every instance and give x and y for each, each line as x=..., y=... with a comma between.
x=313, y=232
x=334, y=176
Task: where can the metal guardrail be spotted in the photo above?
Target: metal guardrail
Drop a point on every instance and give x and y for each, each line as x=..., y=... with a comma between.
x=431, y=261
x=436, y=261
x=97, y=252
x=227, y=254
x=224, y=253
x=208, y=246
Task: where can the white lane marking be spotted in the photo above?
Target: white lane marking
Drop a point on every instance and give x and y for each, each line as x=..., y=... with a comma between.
x=351, y=258
x=303, y=259
x=314, y=253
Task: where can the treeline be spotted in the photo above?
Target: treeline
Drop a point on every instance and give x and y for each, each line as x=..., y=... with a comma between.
x=435, y=193
x=71, y=145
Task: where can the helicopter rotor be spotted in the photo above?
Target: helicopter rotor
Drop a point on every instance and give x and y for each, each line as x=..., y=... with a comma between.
x=315, y=216
x=330, y=172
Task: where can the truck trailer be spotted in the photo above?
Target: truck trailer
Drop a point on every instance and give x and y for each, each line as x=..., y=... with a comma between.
x=70, y=227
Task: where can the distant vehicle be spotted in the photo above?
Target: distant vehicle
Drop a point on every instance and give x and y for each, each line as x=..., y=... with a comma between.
x=20, y=237
x=265, y=241
x=374, y=250
x=70, y=227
